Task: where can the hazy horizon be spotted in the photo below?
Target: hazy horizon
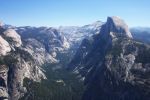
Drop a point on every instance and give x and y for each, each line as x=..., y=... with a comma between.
x=55, y=13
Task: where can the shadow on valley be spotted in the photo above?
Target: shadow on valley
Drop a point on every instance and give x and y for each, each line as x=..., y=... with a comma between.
x=60, y=85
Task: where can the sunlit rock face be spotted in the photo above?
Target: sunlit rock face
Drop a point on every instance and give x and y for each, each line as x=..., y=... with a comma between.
x=16, y=63
x=37, y=50
x=118, y=27
x=17, y=72
x=12, y=36
x=4, y=46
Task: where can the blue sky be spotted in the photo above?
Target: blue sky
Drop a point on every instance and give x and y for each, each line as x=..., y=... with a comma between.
x=73, y=12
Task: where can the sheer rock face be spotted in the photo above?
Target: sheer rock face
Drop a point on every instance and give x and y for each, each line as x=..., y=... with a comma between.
x=115, y=66
x=13, y=37
x=4, y=46
x=118, y=27
x=50, y=42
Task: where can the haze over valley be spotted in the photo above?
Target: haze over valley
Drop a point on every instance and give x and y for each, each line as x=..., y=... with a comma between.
x=49, y=52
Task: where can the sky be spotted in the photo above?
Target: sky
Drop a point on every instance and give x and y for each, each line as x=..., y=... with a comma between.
x=56, y=13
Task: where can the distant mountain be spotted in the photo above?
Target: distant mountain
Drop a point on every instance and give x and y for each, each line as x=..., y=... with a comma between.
x=141, y=29
x=141, y=34
x=77, y=34
x=113, y=65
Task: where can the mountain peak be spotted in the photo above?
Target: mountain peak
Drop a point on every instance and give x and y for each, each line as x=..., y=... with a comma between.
x=115, y=20
x=116, y=25
x=97, y=23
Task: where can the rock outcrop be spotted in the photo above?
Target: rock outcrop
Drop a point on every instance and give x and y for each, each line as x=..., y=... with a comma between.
x=3, y=82
x=23, y=68
x=16, y=63
x=115, y=66
x=117, y=27
x=13, y=37
x=4, y=46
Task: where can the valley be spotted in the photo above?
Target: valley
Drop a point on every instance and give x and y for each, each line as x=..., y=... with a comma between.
x=98, y=61
x=59, y=85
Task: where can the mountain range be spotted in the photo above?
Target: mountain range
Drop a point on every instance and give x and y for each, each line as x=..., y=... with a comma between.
x=99, y=61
